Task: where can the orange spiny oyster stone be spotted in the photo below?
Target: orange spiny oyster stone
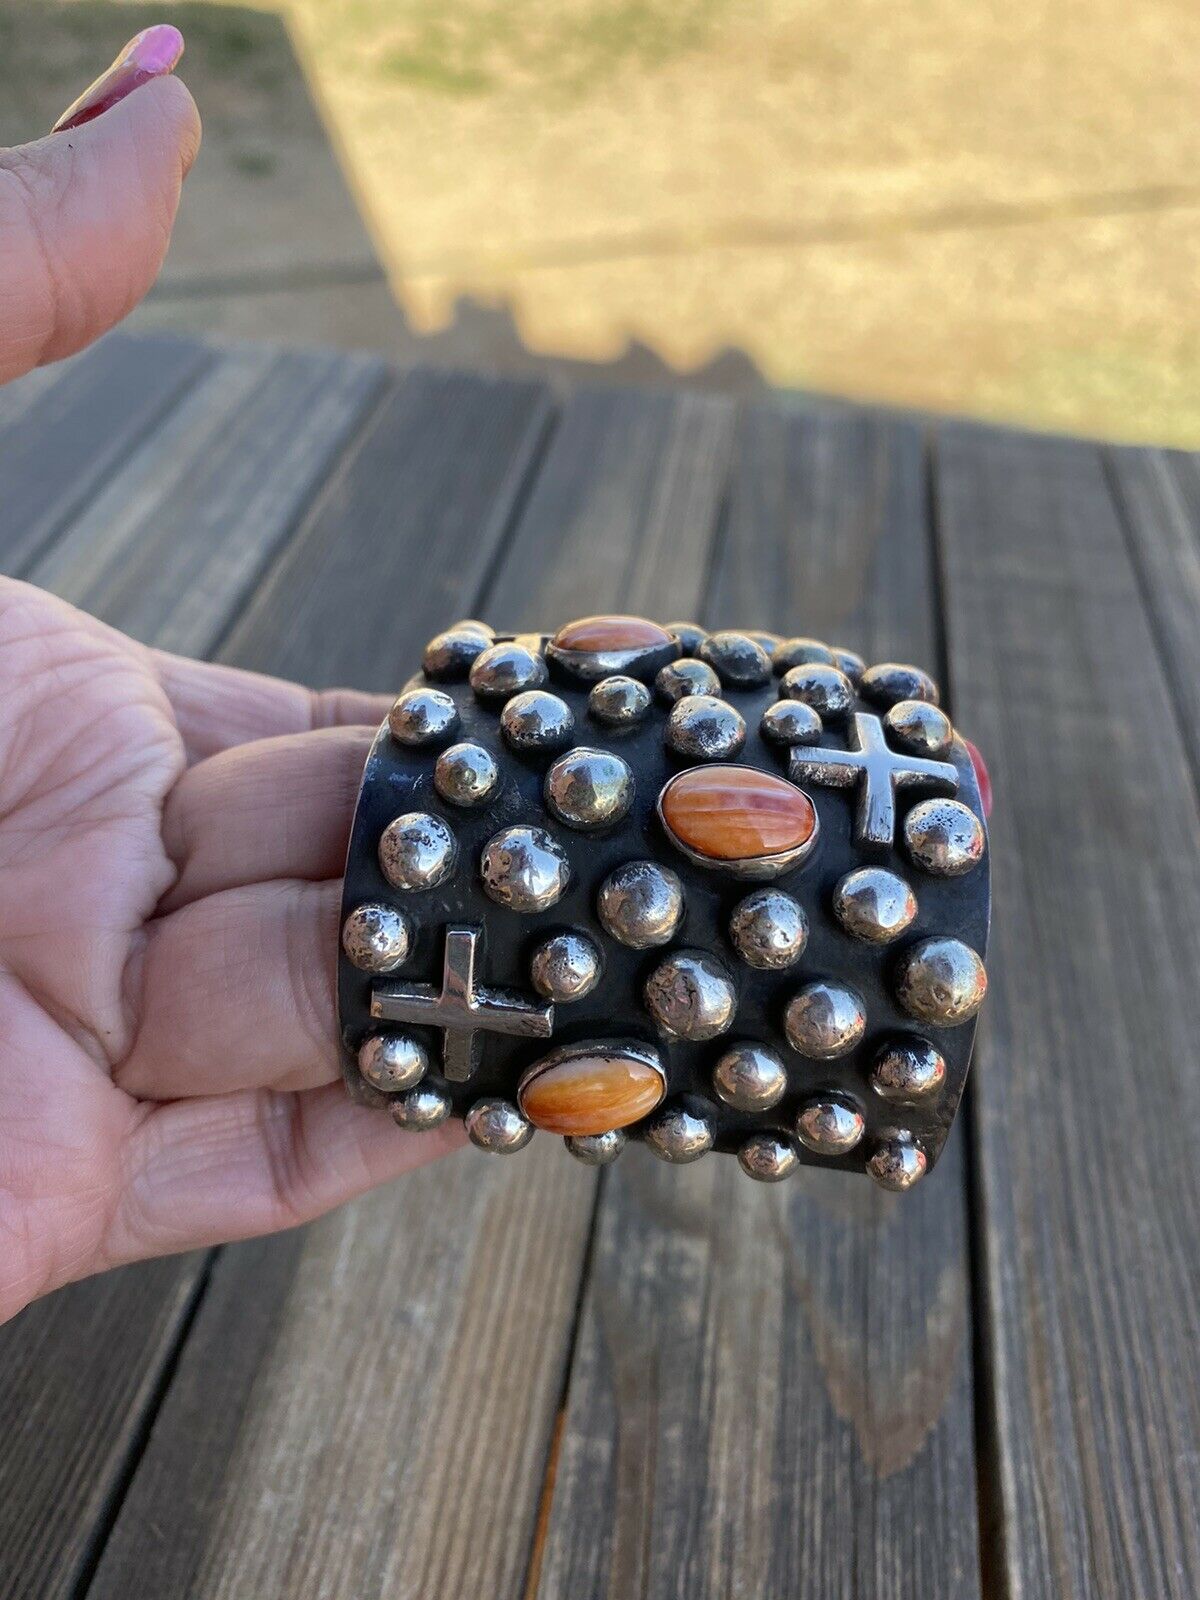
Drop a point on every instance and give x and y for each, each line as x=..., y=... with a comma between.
x=611, y=633
x=592, y=1092
x=736, y=813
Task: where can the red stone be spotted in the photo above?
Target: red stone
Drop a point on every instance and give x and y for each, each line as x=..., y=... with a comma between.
x=592, y=1093
x=736, y=813
x=611, y=633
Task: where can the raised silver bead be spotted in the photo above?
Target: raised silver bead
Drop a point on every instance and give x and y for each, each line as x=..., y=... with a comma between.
x=701, y=728
x=392, y=1061
x=789, y=722
x=537, y=721
x=908, y=1070
x=376, y=938
x=768, y=1157
x=497, y=1126
x=596, y=1149
x=829, y=1127
x=423, y=717
x=565, y=967
x=423, y=1107
x=690, y=997
x=791, y=653
x=678, y=1135
x=473, y=625
x=749, y=1077
x=825, y=1020
x=944, y=837
x=690, y=635
x=524, y=869
x=417, y=851
x=851, y=663
x=919, y=728
x=890, y=682
x=826, y=689
x=769, y=930
x=641, y=904
x=619, y=701
x=874, y=905
x=589, y=789
x=686, y=676
x=941, y=981
x=769, y=642
x=739, y=661
x=898, y=1163
x=465, y=774
x=449, y=655
x=503, y=670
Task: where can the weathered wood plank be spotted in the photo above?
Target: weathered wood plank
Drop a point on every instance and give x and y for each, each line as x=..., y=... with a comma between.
x=80, y=1373
x=771, y=1393
x=385, y=1423
x=79, y=423
x=1087, y=1094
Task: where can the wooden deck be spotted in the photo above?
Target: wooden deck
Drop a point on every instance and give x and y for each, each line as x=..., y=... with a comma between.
x=528, y=1381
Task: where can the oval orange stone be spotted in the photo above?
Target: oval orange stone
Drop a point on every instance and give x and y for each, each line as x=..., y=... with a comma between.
x=592, y=1093
x=611, y=633
x=736, y=813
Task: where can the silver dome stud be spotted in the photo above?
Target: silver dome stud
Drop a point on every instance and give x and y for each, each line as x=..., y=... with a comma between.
x=465, y=774
x=497, y=1126
x=596, y=1149
x=566, y=967
x=739, y=661
x=503, y=670
x=941, y=981
x=908, y=1070
x=789, y=722
x=825, y=1020
x=524, y=869
x=536, y=721
x=423, y=717
x=791, y=653
x=690, y=635
x=702, y=728
x=640, y=904
x=769, y=930
x=392, y=1061
x=620, y=702
x=422, y=1108
x=919, y=728
x=690, y=997
x=874, y=905
x=750, y=1077
x=589, y=789
x=850, y=662
x=678, y=679
x=473, y=625
x=890, y=682
x=944, y=837
x=376, y=938
x=768, y=1157
x=450, y=655
x=829, y=1127
x=898, y=1163
x=417, y=851
x=826, y=689
x=678, y=1135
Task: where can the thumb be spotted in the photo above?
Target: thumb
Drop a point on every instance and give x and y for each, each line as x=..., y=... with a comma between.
x=85, y=220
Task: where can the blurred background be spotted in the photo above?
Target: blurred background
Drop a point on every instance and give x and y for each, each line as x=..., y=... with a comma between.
x=986, y=208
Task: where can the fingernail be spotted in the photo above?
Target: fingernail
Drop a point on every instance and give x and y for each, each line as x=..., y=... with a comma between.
x=981, y=772
x=150, y=54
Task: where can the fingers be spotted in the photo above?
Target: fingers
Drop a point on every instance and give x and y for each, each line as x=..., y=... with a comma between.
x=203, y=1171
x=274, y=808
x=217, y=706
x=237, y=991
x=85, y=219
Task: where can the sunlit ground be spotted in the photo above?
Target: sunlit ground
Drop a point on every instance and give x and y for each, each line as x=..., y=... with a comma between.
x=981, y=207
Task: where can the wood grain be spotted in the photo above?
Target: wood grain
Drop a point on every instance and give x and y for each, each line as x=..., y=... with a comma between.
x=771, y=1393
x=1087, y=1093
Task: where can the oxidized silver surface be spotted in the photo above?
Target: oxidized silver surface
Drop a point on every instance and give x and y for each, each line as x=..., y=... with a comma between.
x=450, y=655
x=505, y=669
x=769, y=930
x=874, y=904
x=876, y=771
x=589, y=788
x=537, y=720
x=417, y=851
x=524, y=869
x=908, y=1070
x=830, y=1127
x=566, y=967
x=392, y=1061
x=750, y=1077
x=738, y=660
x=826, y=689
x=890, y=682
x=690, y=997
x=465, y=775
x=941, y=981
x=851, y=663
x=788, y=722
x=686, y=676
x=619, y=701
x=679, y=1134
x=919, y=728
x=690, y=635
x=497, y=1126
x=898, y=1162
x=423, y=1107
x=944, y=837
x=640, y=904
x=423, y=716
x=768, y=1157
x=376, y=937
x=596, y=1149
x=800, y=652
x=703, y=728
x=825, y=1020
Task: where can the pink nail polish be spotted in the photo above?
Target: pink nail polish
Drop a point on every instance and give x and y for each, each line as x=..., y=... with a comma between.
x=981, y=772
x=150, y=54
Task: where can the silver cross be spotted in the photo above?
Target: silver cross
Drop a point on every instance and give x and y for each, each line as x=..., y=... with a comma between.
x=879, y=771
x=464, y=1008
